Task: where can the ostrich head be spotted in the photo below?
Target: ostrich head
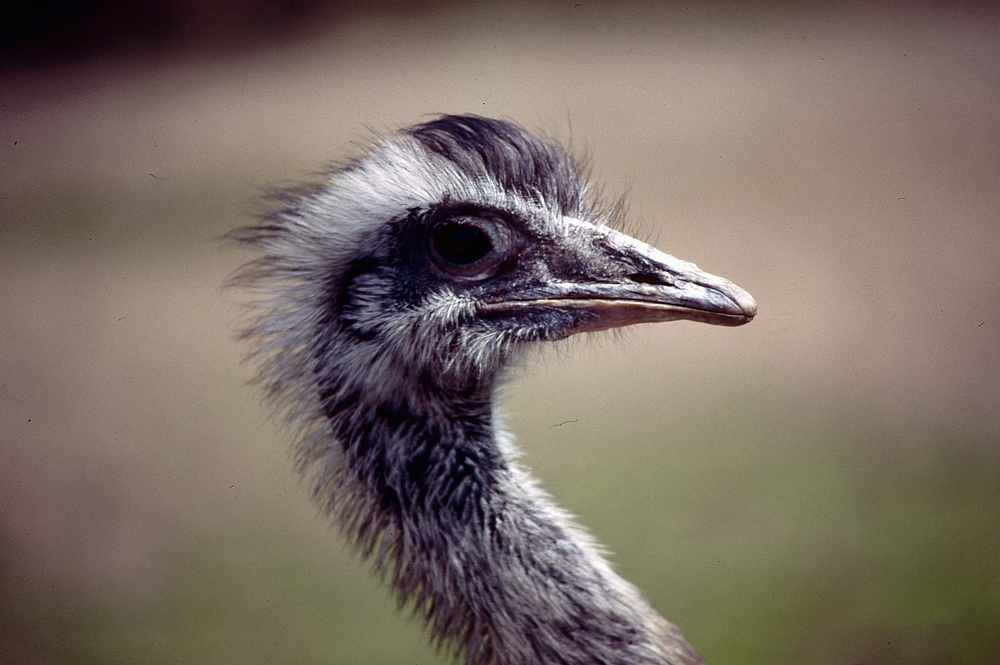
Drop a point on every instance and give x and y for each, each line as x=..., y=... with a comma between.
x=392, y=294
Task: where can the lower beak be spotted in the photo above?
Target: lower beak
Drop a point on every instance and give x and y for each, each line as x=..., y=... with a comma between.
x=696, y=297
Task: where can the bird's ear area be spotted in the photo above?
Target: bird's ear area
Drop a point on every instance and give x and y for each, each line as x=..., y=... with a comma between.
x=605, y=279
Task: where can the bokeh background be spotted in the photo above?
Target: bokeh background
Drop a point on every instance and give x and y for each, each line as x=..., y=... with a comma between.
x=821, y=486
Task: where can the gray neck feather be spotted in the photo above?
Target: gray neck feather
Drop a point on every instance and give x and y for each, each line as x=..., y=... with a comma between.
x=426, y=486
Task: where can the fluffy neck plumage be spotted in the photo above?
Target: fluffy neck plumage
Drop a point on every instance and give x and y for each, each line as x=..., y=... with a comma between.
x=428, y=487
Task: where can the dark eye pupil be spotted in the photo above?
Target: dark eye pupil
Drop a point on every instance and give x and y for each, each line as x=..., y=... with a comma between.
x=461, y=244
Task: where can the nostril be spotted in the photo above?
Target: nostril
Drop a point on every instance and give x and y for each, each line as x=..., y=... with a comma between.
x=650, y=278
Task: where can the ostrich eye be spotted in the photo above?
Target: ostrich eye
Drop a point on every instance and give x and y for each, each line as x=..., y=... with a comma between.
x=461, y=244
x=469, y=247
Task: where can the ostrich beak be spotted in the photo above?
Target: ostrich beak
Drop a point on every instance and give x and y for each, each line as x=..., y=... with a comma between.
x=633, y=282
x=693, y=296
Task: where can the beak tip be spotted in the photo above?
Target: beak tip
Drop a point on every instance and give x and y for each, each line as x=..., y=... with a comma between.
x=746, y=303
x=732, y=299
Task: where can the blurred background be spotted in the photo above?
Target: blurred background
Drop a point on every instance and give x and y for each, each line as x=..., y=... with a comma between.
x=821, y=486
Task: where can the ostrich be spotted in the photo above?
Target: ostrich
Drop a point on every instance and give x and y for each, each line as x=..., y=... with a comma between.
x=392, y=297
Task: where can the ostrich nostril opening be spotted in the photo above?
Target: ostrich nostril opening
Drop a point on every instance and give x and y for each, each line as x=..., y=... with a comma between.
x=650, y=278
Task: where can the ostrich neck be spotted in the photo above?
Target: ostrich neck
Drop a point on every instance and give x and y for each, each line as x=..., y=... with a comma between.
x=461, y=529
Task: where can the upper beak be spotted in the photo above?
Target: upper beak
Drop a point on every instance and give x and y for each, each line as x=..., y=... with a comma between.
x=665, y=288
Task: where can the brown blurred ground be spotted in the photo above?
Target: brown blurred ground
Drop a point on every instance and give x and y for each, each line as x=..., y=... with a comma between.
x=842, y=166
